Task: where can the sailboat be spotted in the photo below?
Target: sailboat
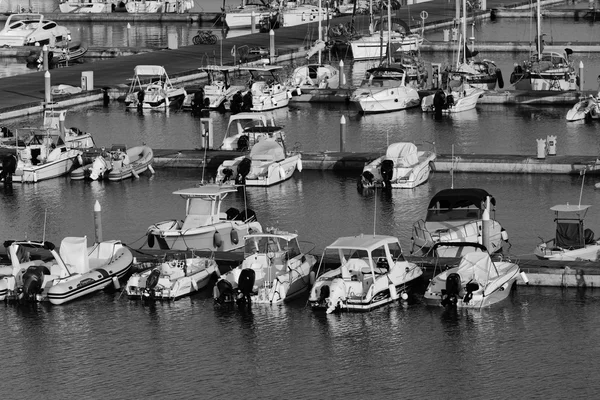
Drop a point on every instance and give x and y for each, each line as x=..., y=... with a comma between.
x=385, y=88
x=545, y=70
x=319, y=75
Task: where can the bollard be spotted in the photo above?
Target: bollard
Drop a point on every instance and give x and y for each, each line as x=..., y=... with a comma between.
x=253, y=22
x=47, y=90
x=342, y=134
x=45, y=57
x=206, y=130
x=61, y=123
x=551, y=144
x=541, y=148
x=483, y=5
x=581, y=75
x=486, y=225
x=98, y=221
x=343, y=76
x=272, y=46
x=446, y=35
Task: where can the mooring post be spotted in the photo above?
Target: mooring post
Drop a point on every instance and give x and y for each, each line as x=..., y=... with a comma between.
x=45, y=57
x=98, y=221
x=47, y=91
x=342, y=134
x=272, y=46
x=581, y=76
x=253, y=22
x=342, y=75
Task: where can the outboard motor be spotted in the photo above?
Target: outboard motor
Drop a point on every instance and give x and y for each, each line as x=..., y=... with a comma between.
x=243, y=171
x=246, y=284
x=367, y=176
x=247, y=215
x=232, y=213
x=471, y=287
x=439, y=103
x=236, y=102
x=453, y=285
x=387, y=173
x=198, y=101
x=223, y=292
x=152, y=279
x=243, y=143
x=33, y=280
x=247, y=101
x=227, y=174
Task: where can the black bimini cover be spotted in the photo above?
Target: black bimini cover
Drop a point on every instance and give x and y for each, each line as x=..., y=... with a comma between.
x=460, y=198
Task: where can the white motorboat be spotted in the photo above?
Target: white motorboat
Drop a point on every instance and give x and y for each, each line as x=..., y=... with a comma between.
x=571, y=241
x=117, y=164
x=85, y=6
x=458, y=98
x=545, y=70
x=267, y=92
x=75, y=271
x=476, y=282
x=172, y=279
x=585, y=109
x=402, y=167
x=218, y=92
x=206, y=226
x=385, y=90
x=273, y=15
x=274, y=270
x=268, y=163
x=369, y=271
x=246, y=128
x=152, y=89
x=158, y=6
x=459, y=215
x=31, y=29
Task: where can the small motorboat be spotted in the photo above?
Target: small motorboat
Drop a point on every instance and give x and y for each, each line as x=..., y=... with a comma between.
x=31, y=29
x=268, y=163
x=476, y=282
x=217, y=93
x=369, y=271
x=245, y=128
x=266, y=90
x=585, y=109
x=274, y=270
x=75, y=271
x=460, y=97
x=571, y=242
x=172, y=279
x=315, y=76
x=85, y=6
x=158, y=6
x=458, y=215
x=117, y=164
x=206, y=226
x=152, y=89
x=57, y=56
x=402, y=167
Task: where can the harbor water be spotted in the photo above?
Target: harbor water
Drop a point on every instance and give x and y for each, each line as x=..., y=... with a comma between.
x=539, y=343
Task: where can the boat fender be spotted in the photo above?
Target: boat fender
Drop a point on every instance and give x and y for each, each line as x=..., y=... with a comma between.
x=234, y=236
x=115, y=281
x=80, y=160
x=432, y=166
x=150, y=240
x=217, y=241
x=152, y=279
x=312, y=276
x=404, y=296
x=499, y=78
x=281, y=172
x=299, y=164
x=524, y=277
x=393, y=292
x=504, y=235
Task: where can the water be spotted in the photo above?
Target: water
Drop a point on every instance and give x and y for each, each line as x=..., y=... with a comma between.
x=535, y=345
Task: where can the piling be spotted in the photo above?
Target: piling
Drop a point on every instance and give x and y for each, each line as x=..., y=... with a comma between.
x=45, y=57
x=47, y=90
x=342, y=133
x=98, y=221
x=485, y=226
x=272, y=46
x=581, y=76
x=343, y=76
x=253, y=22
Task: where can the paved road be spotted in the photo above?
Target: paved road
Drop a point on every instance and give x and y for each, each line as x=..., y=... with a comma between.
x=23, y=91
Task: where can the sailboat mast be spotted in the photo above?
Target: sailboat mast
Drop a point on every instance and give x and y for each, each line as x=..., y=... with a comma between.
x=464, y=31
x=389, y=23
x=320, y=36
x=539, y=31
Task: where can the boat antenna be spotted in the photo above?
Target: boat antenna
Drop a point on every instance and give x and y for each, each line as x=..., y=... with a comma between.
x=375, y=211
x=245, y=201
x=582, y=180
x=44, y=232
x=452, y=169
x=204, y=162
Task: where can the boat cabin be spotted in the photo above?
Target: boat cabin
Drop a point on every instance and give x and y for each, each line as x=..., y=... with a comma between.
x=218, y=76
x=570, y=232
x=203, y=205
x=246, y=128
x=274, y=250
x=458, y=205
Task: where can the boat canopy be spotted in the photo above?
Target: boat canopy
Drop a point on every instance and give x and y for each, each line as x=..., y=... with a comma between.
x=570, y=207
x=460, y=198
x=477, y=266
x=267, y=150
x=363, y=242
x=150, y=70
x=403, y=153
x=272, y=243
x=206, y=190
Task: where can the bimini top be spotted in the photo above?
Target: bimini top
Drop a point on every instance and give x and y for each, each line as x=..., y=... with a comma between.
x=362, y=242
x=569, y=207
x=206, y=190
x=460, y=198
x=219, y=68
x=150, y=70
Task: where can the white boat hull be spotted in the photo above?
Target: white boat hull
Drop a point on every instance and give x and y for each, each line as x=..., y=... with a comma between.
x=80, y=7
x=49, y=170
x=386, y=100
x=460, y=104
x=370, y=47
x=403, y=177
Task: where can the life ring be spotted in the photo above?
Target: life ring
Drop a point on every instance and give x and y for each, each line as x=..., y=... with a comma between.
x=233, y=235
x=217, y=241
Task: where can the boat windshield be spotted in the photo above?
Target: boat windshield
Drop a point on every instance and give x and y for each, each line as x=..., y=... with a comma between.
x=449, y=214
x=200, y=205
x=271, y=244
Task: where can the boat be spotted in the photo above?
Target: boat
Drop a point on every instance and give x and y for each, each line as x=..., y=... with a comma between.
x=459, y=97
x=241, y=16
x=275, y=270
x=268, y=163
x=266, y=91
x=459, y=215
x=245, y=128
x=477, y=281
x=402, y=167
x=31, y=29
x=74, y=271
x=85, y=6
x=57, y=56
x=272, y=15
x=585, y=109
x=50, y=151
x=218, y=92
x=117, y=164
x=152, y=89
x=571, y=241
x=370, y=271
x=385, y=35
x=158, y=6
x=206, y=226
x=173, y=279
x=545, y=70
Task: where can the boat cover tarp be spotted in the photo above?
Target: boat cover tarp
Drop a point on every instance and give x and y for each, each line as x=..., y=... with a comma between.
x=460, y=198
x=477, y=266
x=404, y=154
x=267, y=150
x=155, y=70
x=73, y=251
x=569, y=235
